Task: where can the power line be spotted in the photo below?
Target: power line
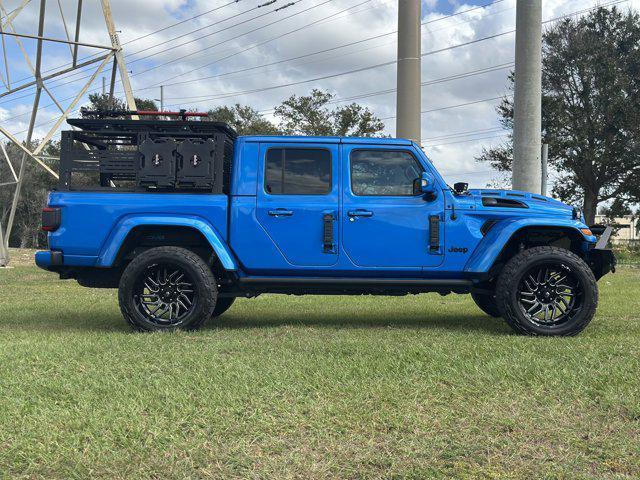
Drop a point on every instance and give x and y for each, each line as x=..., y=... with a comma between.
x=163, y=82
x=466, y=104
x=423, y=84
x=467, y=141
x=448, y=48
x=182, y=57
x=428, y=22
x=464, y=134
x=181, y=22
x=348, y=72
x=144, y=36
x=69, y=81
x=307, y=26
x=205, y=36
x=471, y=42
x=476, y=172
x=173, y=47
x=257, y=44
x=280, y=36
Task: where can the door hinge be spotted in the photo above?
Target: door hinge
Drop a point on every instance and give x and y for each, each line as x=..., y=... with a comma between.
x=327, y=233
x=434, y=233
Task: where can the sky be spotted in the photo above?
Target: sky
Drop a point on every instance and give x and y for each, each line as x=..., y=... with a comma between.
x=208, y=53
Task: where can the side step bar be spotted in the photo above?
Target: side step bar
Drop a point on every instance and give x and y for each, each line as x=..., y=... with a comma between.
x=356, y=281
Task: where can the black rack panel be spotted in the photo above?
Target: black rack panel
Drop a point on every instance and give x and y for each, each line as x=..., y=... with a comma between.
x=146, y=155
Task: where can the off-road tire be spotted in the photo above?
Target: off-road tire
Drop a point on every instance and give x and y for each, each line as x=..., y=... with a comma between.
x=204, y=285
x=512, y=275
x=222, y=305
x=486, y=303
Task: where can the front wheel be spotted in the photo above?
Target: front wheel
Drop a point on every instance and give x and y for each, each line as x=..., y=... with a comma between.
x=547, y=291
x=167, y=288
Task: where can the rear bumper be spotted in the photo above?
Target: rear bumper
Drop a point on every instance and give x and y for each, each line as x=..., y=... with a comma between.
x=56, y=261
x=49, y=259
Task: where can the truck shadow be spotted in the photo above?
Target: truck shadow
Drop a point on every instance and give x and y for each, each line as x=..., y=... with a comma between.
x=247, y=314
x=454, y=322
x=73, y=321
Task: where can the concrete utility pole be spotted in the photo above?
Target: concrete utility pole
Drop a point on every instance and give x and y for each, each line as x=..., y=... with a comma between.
x=527, y=127
x=408, y=120
x=545, y=169
x=162, y=98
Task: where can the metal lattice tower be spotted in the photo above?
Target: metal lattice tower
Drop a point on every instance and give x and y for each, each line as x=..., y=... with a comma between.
x=107, y=53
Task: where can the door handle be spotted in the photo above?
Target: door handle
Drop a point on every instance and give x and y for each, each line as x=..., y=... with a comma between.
x=281, y=212
x=360, y=213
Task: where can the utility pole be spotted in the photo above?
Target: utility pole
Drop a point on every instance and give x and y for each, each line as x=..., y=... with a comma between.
x=408, y=104
x=545, y=169
x=527, y=127
x=162, y=98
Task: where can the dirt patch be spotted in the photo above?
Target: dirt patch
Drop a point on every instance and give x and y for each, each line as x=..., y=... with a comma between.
x=20, y=257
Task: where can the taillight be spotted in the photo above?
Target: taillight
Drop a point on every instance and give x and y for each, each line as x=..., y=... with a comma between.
x=51, y=219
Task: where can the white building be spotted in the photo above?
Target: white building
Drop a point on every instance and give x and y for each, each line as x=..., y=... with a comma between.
x=627, y=231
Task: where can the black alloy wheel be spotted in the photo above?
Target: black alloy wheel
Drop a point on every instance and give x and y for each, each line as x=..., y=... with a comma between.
x=164, y=294
x=167, y=288
x=548, y=291
x=550, y=294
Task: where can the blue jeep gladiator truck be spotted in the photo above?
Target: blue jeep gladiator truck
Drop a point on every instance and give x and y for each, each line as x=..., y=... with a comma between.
x=183, y=217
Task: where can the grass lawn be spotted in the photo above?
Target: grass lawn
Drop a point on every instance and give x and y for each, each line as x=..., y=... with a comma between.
x=313, y=387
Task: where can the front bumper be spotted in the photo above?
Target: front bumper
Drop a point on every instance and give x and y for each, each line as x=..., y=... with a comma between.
x=600, y=258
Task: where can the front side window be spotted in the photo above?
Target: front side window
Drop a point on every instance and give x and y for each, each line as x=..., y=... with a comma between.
x=297, y=171
x=383, y=172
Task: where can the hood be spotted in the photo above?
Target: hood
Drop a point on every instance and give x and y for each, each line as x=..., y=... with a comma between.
x=518, y=201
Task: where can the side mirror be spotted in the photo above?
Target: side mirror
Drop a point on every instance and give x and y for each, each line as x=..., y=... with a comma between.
x=427, y=183
x=461, y=188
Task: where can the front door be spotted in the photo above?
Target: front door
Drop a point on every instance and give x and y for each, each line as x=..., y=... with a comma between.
x=298, y=196
x=386, y=224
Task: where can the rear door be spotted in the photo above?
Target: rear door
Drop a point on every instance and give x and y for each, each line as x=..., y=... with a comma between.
x=297, y=201
x=385, y=224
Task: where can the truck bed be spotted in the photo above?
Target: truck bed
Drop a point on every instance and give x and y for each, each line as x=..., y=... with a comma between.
x=91, y=219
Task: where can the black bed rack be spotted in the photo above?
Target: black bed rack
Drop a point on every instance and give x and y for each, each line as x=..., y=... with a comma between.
x=146, y=155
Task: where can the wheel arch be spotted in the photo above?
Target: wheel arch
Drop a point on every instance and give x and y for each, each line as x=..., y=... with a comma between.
x=505, y=239
x=168, y=231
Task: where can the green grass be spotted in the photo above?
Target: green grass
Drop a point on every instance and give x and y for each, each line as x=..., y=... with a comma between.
x=313, y=387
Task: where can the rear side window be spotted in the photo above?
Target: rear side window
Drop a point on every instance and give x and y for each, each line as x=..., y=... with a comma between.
x=383, y=173
x=297, y=171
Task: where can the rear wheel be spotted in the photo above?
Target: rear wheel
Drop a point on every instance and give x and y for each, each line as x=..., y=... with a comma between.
x=486, y=303
x=167, y=288
x=547, y=291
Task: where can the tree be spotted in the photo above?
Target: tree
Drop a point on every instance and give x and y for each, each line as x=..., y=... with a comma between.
x=37, y=183
x=244, y=119
x=309, y=115
x=100, y=101
x=591, y=109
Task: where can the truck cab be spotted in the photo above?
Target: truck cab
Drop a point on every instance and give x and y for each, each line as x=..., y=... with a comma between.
x=309, y=215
